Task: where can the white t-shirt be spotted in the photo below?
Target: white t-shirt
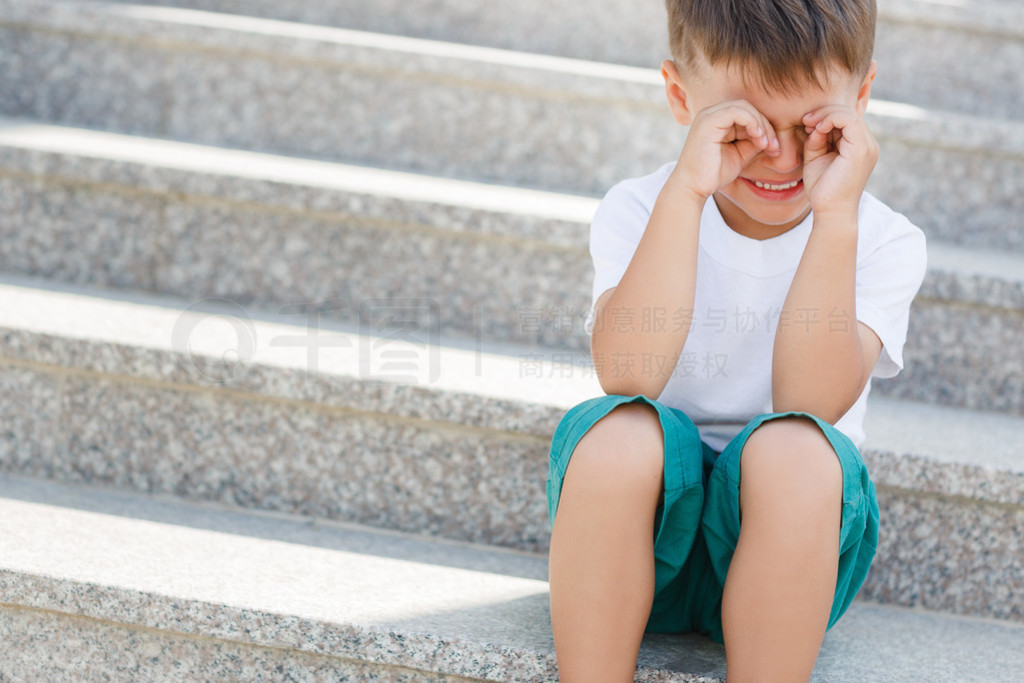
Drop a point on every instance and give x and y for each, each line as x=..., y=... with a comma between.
x=723, y=377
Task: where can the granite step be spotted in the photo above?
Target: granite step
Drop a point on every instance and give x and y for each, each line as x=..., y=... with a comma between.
x=963, y=56
x=438, y=108
x=964, y=345
x=499, y=263
x=222, y=404
x=130, y=586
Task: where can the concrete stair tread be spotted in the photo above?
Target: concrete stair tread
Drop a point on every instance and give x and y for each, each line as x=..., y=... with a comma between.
x=568, y=76
x=104, y=386
x=990, y=17
x=986, y=263
x=465, y=382
x=295, y=39
x=432, y=606
x=952, y=55
x=967, y=274
x=75, y=153
x=199, y=75
x=945, y=434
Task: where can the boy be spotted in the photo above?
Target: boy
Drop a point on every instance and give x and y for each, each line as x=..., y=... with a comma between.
x=751, y=289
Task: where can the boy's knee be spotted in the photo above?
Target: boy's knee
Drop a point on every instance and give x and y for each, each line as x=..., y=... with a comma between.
x=790, y=462
x=622, y=452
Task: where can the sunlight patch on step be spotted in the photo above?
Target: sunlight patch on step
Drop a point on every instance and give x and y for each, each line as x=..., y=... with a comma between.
x=174, y=563
x=216, y=341
x=946, y=3
x=419, y=46
x=310, y=172
x=898, y=110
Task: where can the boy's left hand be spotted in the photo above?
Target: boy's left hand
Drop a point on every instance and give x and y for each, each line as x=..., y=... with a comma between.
x=839, y=155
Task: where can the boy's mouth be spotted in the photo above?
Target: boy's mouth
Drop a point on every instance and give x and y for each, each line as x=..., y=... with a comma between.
x=777, y=188
x=775, y=191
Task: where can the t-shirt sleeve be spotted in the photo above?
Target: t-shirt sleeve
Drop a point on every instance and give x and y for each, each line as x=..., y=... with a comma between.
x=615, y=232
x=887, y=281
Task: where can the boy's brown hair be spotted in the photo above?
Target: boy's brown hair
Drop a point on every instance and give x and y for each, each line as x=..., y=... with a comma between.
x=783, y=43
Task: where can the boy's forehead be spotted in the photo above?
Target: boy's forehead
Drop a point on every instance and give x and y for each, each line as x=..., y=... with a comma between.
x=743, y=81
x=829, y=81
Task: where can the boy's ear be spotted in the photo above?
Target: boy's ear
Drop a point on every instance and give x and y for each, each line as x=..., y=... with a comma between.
x=675, y=91
x=864, y=94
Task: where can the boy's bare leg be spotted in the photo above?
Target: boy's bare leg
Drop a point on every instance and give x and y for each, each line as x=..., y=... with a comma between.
x=602, y=546
x=781, y=582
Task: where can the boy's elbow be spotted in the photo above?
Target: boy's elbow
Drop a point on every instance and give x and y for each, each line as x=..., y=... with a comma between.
x=827, y=403
x=625, y=387
x=627, y=383
x=829, y=413
x=623, y=379
x=825, y=392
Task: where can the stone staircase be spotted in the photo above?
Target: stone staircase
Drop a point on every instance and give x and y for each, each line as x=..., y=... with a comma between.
x=271, y=270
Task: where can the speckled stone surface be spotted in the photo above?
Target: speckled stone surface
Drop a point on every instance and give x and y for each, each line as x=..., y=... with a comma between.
x=944, y=66
x=284, y=583
x=962, y=356
x=959, y=56
x=464, y=285
x=276, y=583
x=340, y=444
x=117, y=401
x=136, y=105
x=251, y=589
x=949, y=452
x=974, y=200
x=987, y=278
x=167, y=340
x=480, y=261
x=490, y=387
x=570, y=29
x=530, y=120
x=79, y=233
x=942, y=555
x=354, y=467
x=105, y=162
x=385, y=472
x=31, y=421
x=286, y=93
x=47, y=646
x=492, y=132
x=492, y=277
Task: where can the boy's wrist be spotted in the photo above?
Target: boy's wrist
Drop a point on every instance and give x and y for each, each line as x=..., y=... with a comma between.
x=682, y=191
x=845, y=220
x=837, y=209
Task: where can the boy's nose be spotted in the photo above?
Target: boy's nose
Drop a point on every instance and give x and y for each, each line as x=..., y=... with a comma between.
x=791, y=152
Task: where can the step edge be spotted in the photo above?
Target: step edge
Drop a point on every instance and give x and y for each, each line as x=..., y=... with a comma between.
x=984, y=18
x=531, y=415
x=956, y=273
x=563, y=75
x=377, y=645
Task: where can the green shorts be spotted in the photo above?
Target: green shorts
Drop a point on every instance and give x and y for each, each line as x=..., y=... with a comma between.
x=697, y=526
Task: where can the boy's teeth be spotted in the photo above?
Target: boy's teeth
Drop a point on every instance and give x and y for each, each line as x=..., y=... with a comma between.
x=777, y=188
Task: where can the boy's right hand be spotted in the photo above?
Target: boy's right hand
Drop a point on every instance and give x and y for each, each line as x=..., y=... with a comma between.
x=722, y=140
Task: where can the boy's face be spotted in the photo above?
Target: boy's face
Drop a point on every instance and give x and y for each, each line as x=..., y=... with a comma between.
x=768, y=197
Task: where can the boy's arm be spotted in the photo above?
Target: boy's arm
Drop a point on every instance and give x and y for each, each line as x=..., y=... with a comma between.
x=823, y=357
x=633, y=358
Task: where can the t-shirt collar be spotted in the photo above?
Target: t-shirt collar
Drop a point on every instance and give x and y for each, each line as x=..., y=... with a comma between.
x=761, y=258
